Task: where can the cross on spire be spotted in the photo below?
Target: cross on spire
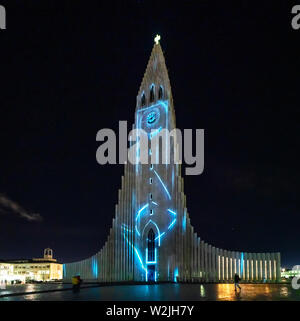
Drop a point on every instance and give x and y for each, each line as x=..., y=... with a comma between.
x=156, y=39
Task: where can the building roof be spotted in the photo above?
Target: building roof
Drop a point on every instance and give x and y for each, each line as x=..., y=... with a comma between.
x=23, y=261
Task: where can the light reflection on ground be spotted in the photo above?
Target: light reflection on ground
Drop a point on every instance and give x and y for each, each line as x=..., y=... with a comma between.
x=158, y=292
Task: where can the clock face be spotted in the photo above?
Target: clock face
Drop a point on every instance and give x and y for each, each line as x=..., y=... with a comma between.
x=152, y=117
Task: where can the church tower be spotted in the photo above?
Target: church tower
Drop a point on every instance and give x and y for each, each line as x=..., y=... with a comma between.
x=151, y=238
x=156, y=215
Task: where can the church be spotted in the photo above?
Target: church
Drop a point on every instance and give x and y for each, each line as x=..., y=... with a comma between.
x=152, y=238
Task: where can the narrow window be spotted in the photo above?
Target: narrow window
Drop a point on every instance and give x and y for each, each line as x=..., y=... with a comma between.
x=151, y=246
x=151, y=212
x=151, y=197
x=152, y=94
x=150, y=180
x=160, y=93
x=143, y=100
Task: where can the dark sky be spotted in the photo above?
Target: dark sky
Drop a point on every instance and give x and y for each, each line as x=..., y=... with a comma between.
x=70, y=68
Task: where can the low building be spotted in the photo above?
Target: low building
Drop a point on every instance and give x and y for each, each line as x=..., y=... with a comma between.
x=290, y=273
x=26, y=270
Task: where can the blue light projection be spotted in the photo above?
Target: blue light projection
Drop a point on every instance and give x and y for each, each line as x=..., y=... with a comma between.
x=171, y=225
x=155, y=132
x=184, y=221
x=158, y=231
x=151, y=118
x=164, y=186
x=148, y=116
x=172, y=212
x=95, y=267
x=135, y=250
x=140, y=211
x=64, y=270
x=176, y=274
x=160, y=236
x=242, y=263
x=155, y=255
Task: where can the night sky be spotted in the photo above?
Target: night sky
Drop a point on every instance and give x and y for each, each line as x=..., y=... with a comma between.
x=71, y=68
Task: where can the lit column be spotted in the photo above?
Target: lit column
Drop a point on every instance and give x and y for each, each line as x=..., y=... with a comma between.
x=273, y=267
x=278, y=267
x=268, y=267
x=213, y=250
x=250, y=267
x=233, y=267
x=222, y=264
x=209, y=263
x=259, y=272
x=125, y=207
x=101, y=265
x=255, y=266
x=264, y=267
x=195, y=256
x=198, y=265
x=218, y=267
x=206, y=261
x=226, y=265
x=238, y=263
x=245, y=267
x=202, y=259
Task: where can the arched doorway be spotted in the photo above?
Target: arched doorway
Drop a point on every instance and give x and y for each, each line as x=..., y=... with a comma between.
x=151, y=256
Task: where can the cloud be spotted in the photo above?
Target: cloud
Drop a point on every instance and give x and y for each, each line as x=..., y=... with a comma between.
x=8, y=206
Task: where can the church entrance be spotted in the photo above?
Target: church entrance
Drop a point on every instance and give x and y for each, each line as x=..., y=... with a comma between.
x=151, y=273
x=151, y=257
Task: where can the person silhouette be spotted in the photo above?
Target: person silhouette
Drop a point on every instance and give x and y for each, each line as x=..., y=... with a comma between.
x=236, y=282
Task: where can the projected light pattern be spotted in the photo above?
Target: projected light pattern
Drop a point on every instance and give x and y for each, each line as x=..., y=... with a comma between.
x=155, y=132
x=152, y=198
x=134, y=248
x=148, y=119
x=163, y=185
x=95, y=267
x=176, y=274
x=242, y=263
x=155, y=255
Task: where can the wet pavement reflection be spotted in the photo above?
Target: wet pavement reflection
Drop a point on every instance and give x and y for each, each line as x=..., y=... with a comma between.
x=157, y=292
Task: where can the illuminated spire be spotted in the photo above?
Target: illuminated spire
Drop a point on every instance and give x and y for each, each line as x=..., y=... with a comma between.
x=156, y=74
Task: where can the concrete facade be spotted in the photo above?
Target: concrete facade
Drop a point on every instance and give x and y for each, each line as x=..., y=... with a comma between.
x=152, y=238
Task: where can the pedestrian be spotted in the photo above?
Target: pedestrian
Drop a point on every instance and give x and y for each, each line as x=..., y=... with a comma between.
x=75, y=283
x=236, y=282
